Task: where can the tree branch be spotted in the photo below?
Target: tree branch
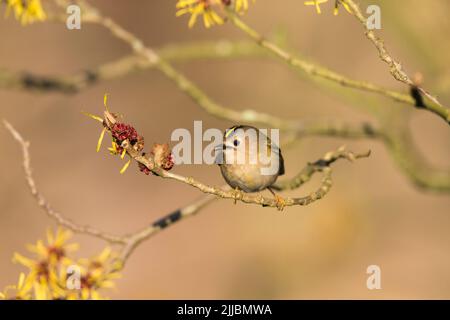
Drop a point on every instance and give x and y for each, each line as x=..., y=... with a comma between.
x=44, y=204
x=135, y=239
x=395, y=68
x=127, y=65
x=315, y=70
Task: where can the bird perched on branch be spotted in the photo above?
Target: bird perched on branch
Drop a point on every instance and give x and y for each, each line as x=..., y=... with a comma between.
x=250, y=161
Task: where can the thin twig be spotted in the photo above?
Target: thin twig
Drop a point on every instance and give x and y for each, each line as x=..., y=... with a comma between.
x=395, y=67
x=127, y=65
x=306, y=173
x=42, y=201
x=324, y=73
x=135, y=239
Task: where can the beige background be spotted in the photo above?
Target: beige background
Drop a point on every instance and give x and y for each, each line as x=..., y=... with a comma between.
x=373, y=215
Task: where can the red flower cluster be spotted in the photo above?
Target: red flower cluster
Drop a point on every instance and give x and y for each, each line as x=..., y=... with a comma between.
x=122, y=132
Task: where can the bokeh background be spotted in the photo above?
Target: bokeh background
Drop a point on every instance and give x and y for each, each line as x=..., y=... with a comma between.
x=373, y=214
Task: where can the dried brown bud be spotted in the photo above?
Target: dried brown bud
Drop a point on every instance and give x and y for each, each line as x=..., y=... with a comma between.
x=162, y=156
x=139, y=145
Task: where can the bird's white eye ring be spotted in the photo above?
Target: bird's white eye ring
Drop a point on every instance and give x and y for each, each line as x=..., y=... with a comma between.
x=236, y=142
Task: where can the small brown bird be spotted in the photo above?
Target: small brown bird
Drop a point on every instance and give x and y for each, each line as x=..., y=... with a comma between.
x=249, y=160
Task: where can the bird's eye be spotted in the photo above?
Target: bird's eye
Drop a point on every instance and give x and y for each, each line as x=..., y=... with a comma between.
x=236, y=142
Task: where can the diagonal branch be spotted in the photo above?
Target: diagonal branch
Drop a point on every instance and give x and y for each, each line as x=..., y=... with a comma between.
x=306, y=173
x=42, y=201
x=135, y=239
x=395, y=68
x=315, y=70
x=127, y=65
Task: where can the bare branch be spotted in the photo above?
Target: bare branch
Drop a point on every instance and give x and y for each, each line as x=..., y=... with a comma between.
x=44, y=204
x=315, y=70
x=129, y=64
x=395, y=68
x=306, y=173
x=135, y=239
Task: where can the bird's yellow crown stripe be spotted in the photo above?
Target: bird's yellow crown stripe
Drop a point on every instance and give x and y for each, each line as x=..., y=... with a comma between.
x=230, y=131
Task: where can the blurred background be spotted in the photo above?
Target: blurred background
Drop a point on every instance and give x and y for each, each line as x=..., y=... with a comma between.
x=373, y=214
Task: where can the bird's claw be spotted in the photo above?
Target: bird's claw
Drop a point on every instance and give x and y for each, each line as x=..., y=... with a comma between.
x=237, y=194
x=280, y=202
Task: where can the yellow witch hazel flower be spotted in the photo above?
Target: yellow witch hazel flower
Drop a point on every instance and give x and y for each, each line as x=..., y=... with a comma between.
x=26, y=11
x=21, y=290
x=57, y=248
x=49, y=258
x=337, y=3
x=50, y=271
x=99, y=273
x=209, y=10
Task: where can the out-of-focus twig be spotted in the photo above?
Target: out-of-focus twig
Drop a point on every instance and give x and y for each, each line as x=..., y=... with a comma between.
x=395, y=134
x=42, y=201
x=395, y=67
x=135, y=239
x=126, y=65
x=316, y=70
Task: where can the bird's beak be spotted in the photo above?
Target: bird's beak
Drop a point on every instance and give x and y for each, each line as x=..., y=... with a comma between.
x=222, y=147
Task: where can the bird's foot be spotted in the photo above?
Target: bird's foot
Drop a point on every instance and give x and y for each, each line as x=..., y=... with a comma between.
x=280, y=202
x=237, y=194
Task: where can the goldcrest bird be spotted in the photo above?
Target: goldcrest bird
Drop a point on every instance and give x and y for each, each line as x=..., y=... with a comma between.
x=246, y=164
